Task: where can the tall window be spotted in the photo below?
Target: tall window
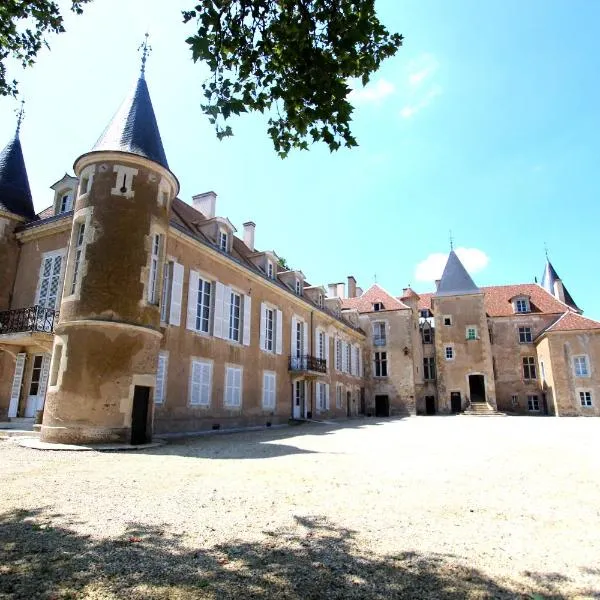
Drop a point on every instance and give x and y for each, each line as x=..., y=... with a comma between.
x=381, y=369
x=269, y=269
x=235, y=302
x=269, y=322
x=200, y=383
x=525, y=336
x=338, y=396
x=269, y=379
x=533, y=403
x=357, y=360
x=165, y=300
x=522, y=305
x=379, y=337
x=233, y=386
x=321, y=345
x=348, y=358
x=203, y=312
x=429, y=368
x=449, y=352
x=79, y=245
x=585, y=398
x=223, y=241
x=66, y=203
x=322, y=396
x=154, y=262
x=338, y=355
x=529, y=371
x=580, y=366
x=49, y=287
x=298, y=287
x=299, y=338
x=427, y=333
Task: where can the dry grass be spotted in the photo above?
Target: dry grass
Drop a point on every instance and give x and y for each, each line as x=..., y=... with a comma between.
x=454, y=508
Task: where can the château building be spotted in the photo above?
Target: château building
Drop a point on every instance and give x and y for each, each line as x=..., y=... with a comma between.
x=125, y=311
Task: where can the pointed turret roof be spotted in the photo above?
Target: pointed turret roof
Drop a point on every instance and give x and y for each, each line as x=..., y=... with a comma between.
x=549, y=278
x=134, y=128
x=15, y=194
x=455, y=280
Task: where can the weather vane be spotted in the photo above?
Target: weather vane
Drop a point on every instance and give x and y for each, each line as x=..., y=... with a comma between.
x=20, y=116
x=146, y=49
x=451, y=241
x=546, y=250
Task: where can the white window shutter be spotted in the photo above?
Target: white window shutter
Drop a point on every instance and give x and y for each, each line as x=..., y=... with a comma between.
x=226, y=311
x=206, y=383
x=192, y=301
x=263, y=325
x=176, y=294
x=16, y=385
x=327, y=349
x=293, y=337
x=247, y=319
x=327, y=396
x=43, y=381
x=305, y=346
x=279, y=333
x=344, y=356
x=218, y=316
x=316, y=343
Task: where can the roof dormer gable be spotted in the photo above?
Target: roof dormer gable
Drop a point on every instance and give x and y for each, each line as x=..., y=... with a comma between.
x=266, y=261
x=294, y=280
x=219, y=230
x=317, y=294
x=65, y=190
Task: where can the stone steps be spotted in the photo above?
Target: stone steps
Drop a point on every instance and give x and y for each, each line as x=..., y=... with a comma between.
x=482, y=409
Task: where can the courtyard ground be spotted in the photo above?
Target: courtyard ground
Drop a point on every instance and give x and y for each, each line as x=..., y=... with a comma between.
x=426, y=507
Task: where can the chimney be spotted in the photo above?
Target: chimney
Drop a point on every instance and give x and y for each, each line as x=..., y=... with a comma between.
x=405, y=290
x=437, y=284
x=249, y=229
x=341, y=290
x=332, y=290
x=559, y=290
x=351, y=286
x=206, y=204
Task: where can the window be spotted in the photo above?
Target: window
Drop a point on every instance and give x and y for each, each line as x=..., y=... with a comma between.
x=338, y=396
x=585, y=397
x=471, y=333
x=533, y=403
x=154, y=262
x=427, y=333
x=424, y=313
x=379, y=337
x=49, y=282
x=321, y=345
x=322, y=399
x=515, y=400
x=429, y=368
x=79, y=246
x=377, y=306
x=36, y=375
x=298, y=287
x=269, y=394
x=204, y=308
x=161, y=378
x=580, y=366
x=66, y=203
x=525, y=335
x=165, y=300
x=338, y=354
x=447, y=320
x=269, y=269
x=235, y=302
x=522, y=305
x=84, y=185
x=529, y=368
x=449, y=352
x=223, y=241
x=269, y=321
x=357, y=361
x=201, y=383
x=299, y=338
x=381, y=364
x=233, y=386
x=348, y=358
x=320, y=301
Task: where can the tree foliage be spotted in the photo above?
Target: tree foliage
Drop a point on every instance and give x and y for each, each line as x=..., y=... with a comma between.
x=290, y=59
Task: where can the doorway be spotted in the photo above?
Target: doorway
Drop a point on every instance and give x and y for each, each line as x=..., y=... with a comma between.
x=382, y=406
x=349, y=404
x=139, y=415
x=299, y=397
x=430, y=405
x=477, y=388
x=34, y=386
x=455, y=402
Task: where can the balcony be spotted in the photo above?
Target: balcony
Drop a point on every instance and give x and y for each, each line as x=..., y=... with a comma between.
x=307, y=364
x=379, y=340
x=31, y=327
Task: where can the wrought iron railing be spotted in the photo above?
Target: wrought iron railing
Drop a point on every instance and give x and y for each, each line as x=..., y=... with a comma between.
x=308, y=363
x=34, y=318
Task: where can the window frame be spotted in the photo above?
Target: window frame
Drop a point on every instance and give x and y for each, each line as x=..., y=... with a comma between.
x=231, y=326
x=449, y=319
x=583, y=402
x=154, y=272
x=201, y=307
x=529, y=368
x=525, y=303
x=429, y=368
x=378, y=306
x=163, y=358
x=223, y=241
x=269, y=396
x=226, y=388
x=202, y=385
x=472, y=328
x=586, y=364
x=525, y=334
x=452, y=353
x=533, y=401
x=380, y=364
x=380, y=338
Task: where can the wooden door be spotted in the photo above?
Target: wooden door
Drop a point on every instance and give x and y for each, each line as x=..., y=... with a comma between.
x=139, y=415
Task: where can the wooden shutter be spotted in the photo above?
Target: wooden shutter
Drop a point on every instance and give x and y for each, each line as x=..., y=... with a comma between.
x=176, y=294
x=218, y=314
x=327, y=349
x=279, y=333
x=360, y=362
x=305, y=346
x=192, y=301
x=263, y=325
x=161, y=376
x=45, y=372
x=247, y=319
x=327, y=391
x=293, y=337
x=227, y=308
x=316, y=343
x=237, y=373
x=344, y=358
x=16, y=385
x=205, y=383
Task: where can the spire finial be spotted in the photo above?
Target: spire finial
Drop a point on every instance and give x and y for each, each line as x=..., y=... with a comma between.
x=146, y=49
x=451, y=241
x=546, y=250
x=20, y=116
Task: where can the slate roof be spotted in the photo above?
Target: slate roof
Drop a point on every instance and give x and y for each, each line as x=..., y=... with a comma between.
x=549, y=278
x=375, y=293
x=572, y=321
x=134, y=128
x=455, y=280
x=15, y=193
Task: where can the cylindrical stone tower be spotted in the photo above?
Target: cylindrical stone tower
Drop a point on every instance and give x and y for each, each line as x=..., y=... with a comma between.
x=105, y=352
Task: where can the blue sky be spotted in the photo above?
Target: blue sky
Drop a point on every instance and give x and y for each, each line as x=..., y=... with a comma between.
x=485, y=123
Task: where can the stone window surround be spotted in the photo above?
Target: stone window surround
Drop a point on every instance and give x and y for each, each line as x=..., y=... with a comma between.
x=447, y=318
x=533, y=401
x=581, y=393
x=584, y=365
x=452, y=355
x=524, y=334
x=475, y=329
x=521, y=301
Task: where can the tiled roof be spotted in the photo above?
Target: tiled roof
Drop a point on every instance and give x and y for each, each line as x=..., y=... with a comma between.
x=572, y=321
x=497, y=299
x=134, y=128
x=548, y=280
x=455, y=279
x=408, y=293
x=46, y=213
x=15, y=194
x=375, y=293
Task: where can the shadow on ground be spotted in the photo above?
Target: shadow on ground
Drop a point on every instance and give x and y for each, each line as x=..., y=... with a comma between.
x=315, y=560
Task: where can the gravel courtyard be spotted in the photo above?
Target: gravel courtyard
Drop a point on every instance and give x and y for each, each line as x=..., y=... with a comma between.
x=426, y=507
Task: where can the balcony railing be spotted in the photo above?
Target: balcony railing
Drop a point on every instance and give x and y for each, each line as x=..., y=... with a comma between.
x=32, y=319
x=379, y=340
x=308, y=363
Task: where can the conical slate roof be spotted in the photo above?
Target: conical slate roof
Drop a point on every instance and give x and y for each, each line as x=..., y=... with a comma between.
x=455, y=280
x=134, y=129
x=15, y=194
x=549, y=278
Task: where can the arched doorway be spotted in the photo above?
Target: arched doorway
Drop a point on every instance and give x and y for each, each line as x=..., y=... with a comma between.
x=477, y=388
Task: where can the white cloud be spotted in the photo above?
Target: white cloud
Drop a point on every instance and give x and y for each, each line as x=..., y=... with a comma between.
x=431, y=268
x=413, y=108
x=421, y=69
x=371, y=93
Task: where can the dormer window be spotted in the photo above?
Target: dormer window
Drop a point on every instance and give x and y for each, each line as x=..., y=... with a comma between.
x=223, y=241
x=521, y=305
x=320, y=301
x=269, y=269
x=66, y=203
x=377, y=306
x=424, y=312
x=298, y=287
